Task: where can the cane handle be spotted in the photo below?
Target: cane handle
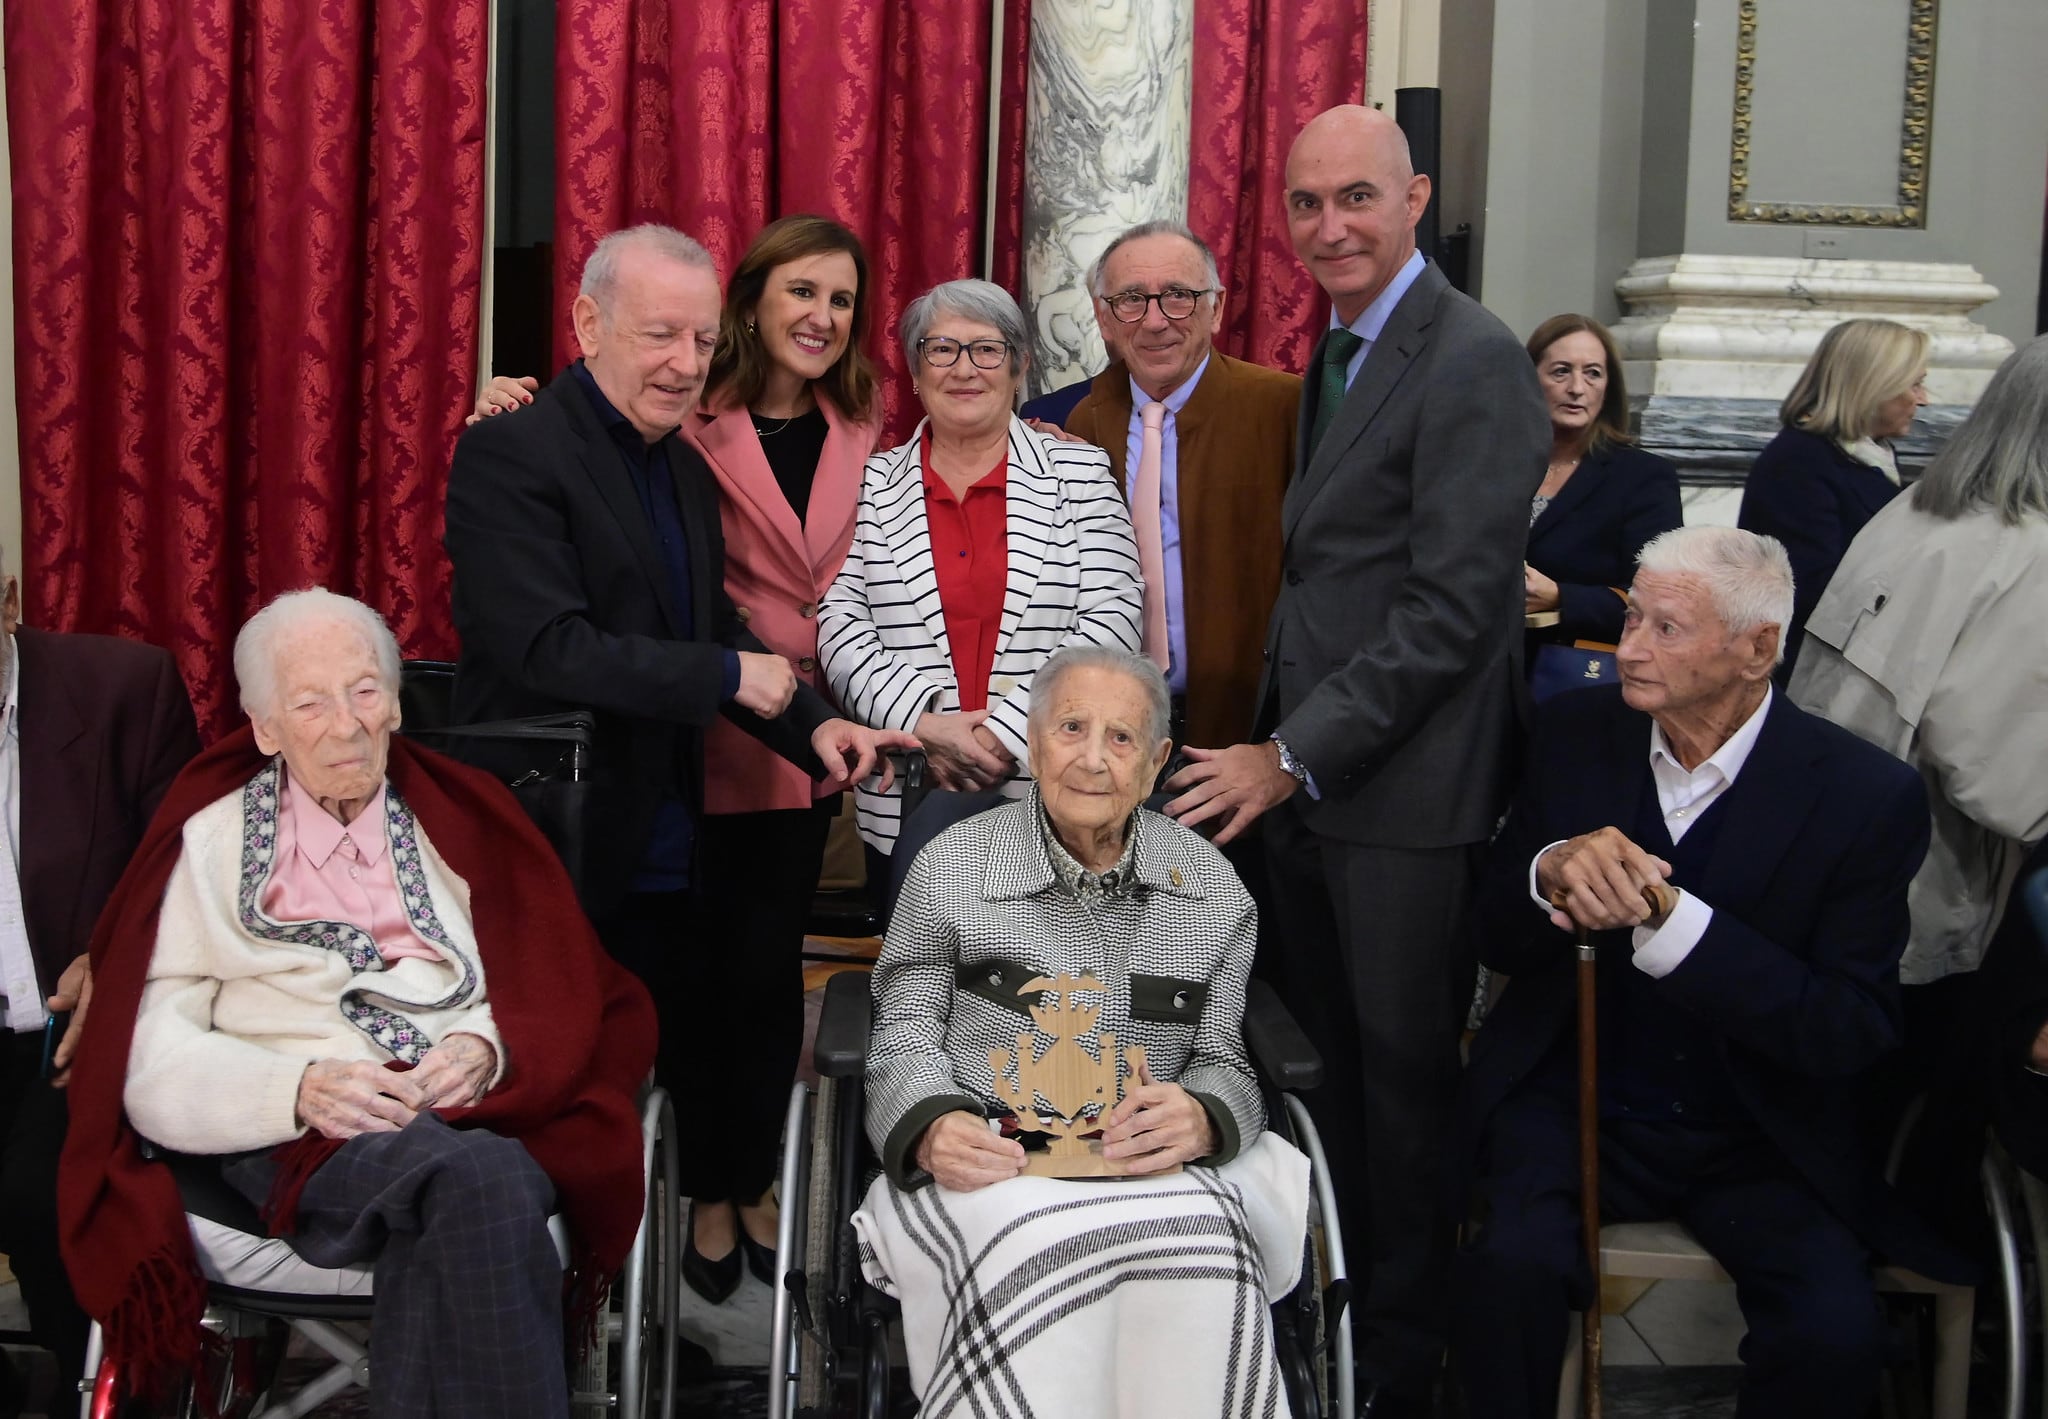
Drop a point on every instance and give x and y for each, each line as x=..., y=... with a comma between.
x=1661, y=896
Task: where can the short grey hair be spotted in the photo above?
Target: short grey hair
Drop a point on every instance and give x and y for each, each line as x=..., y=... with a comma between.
x=257, y=643
x=601, y=271
x=1997, y=462
x=1140, y=668
x=1748, y=576
x=982, y=301
x=1162, y=226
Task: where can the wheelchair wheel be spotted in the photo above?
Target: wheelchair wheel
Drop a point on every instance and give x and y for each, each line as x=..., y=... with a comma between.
x=631, y=1371
x=814, y=1375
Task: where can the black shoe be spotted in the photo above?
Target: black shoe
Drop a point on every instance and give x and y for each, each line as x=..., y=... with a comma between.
x=760, y=1259
x=713, y=1280
x=1379, y=1400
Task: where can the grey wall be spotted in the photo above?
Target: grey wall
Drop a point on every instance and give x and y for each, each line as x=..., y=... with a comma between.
x=1565, y=137
x=1986, y=176
x=1607, y=135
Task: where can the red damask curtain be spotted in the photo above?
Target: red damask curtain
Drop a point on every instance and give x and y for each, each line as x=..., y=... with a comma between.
x=247, y=258
x=719, y=115
x=1263, y=68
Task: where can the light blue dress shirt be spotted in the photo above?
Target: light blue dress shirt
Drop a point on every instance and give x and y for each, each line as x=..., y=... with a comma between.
x=1373, y=319
x=1169, y=511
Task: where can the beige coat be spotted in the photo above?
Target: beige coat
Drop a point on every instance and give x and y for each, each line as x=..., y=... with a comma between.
x=1931, y=642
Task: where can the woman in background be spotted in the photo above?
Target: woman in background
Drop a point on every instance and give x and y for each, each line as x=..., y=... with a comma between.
x=789, y=415
x=1602, y=497
x=1832, y=466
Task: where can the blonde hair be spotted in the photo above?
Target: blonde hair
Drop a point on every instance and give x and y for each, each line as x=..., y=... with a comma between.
x=1858, y=366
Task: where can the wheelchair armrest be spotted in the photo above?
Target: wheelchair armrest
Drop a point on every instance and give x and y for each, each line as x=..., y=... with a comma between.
x=841, y=1051
x=1280, y=1050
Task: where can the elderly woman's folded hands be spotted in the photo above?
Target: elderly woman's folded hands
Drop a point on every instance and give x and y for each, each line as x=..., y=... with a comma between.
x=962, y=754
x=342, y=1098
x=1157, y=1125
x=961, y=1154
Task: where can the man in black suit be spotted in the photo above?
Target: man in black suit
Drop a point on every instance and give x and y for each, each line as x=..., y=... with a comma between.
x=1734, y=1030
x=589, y=573
x=92, y=731
x=1387, y=716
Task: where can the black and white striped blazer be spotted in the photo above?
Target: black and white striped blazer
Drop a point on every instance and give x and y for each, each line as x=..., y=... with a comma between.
x=983, y=912
x=1073, y=579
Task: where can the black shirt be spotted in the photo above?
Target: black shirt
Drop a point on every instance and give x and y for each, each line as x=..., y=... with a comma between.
x=794, y=447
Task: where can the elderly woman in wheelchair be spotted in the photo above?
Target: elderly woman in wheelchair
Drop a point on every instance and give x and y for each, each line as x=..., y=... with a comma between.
x=1139, y=1295
x=352, y=973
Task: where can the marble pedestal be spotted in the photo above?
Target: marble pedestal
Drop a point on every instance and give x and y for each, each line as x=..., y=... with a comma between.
x=1710, y=346
x=1105, y=147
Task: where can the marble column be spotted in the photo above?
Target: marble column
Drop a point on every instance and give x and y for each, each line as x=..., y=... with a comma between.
x=1105, y=147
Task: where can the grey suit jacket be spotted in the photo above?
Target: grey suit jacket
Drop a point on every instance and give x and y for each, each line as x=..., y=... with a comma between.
x=1393, y=656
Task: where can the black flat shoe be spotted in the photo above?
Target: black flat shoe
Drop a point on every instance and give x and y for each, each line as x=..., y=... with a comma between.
x=760, y=1259
x=713, y=1280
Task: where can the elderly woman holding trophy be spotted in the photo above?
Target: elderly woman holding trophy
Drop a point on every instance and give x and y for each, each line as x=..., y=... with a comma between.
x=1071, y=964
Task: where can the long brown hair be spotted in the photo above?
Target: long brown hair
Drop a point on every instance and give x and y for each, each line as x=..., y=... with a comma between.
x=739, y=366
x=1610, y=423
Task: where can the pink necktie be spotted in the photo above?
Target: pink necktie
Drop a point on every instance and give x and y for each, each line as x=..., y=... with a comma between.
x=1151, y=545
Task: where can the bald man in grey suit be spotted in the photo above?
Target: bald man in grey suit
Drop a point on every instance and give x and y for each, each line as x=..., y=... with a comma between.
x=1389, y=711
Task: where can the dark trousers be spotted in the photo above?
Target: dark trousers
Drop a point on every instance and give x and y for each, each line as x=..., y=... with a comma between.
x=1367, y=949
x=468, y=1317
x=32, y=1123
x=725, y=967
x=1816, y=1336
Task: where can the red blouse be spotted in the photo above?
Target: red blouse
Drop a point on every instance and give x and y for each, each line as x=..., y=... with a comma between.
x=971, y=563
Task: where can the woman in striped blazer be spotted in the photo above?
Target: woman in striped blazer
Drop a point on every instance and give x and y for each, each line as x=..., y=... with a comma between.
x=980, y=547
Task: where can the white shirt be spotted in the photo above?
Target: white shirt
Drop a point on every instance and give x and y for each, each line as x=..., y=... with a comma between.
x=1682, y=794
x=17, y=962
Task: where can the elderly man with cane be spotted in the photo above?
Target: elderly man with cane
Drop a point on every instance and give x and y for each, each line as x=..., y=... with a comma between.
x=1737, y=1013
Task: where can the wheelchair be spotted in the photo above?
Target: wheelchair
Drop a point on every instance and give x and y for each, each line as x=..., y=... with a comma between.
x=258, y=1289
x=830, y=1338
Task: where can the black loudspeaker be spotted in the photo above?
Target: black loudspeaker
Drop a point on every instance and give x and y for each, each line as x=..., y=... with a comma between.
x=1420, y=114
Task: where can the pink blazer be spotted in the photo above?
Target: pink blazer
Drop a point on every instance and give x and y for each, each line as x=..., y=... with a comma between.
x=776, y=571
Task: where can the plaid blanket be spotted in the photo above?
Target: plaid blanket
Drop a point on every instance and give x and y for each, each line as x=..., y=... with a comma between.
x=1114, y=1299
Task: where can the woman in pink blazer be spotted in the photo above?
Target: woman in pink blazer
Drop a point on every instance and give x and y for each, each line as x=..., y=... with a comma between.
x=789, y=415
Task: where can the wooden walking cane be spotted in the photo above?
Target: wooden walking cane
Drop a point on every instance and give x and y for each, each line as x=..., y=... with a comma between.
x=1662, y=899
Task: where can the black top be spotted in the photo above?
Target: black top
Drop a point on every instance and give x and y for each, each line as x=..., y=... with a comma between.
x=794, y=447
x=1587, y=539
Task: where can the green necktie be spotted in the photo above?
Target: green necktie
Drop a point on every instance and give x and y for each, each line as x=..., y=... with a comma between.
x=1338, y=348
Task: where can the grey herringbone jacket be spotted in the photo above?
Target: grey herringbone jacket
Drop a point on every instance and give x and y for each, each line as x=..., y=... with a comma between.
x=983, y=911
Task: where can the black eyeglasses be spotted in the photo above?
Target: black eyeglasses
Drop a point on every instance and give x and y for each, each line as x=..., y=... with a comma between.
x=1175, y=303
x=986, y=354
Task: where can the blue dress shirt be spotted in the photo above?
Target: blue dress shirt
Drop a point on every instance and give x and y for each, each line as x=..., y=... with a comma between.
x=1373, y=319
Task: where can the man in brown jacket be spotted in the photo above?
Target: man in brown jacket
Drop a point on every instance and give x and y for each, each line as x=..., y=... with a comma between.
x=1226, y=446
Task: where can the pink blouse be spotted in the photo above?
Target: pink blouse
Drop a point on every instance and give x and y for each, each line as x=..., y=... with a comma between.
x=327, y=872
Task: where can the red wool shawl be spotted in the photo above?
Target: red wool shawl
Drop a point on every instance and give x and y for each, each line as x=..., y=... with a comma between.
x=578, y=1030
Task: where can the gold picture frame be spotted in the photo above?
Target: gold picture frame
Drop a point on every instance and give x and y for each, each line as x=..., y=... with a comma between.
x=1916, y=130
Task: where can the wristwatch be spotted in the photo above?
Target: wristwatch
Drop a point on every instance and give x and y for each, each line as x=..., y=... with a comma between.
x=1288, y=763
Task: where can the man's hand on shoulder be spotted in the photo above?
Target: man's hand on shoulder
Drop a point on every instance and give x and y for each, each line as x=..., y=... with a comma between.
x=850, y=752
x=767, y=683
x=1233, y=785
x=1600, y=878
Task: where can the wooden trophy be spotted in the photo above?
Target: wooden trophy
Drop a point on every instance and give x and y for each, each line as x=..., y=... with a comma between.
x=1069, y=1079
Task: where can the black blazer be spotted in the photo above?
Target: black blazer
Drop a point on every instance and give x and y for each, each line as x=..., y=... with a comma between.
x=1807, y=493
x=105, y=726
x=1587, y=539
x=1798, y=974
x=561, y=602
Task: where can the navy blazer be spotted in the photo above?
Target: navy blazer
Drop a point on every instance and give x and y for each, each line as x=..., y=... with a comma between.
x=1798, y=974
x=1587, y=539
x=1054, y=405
x=1810, y=495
